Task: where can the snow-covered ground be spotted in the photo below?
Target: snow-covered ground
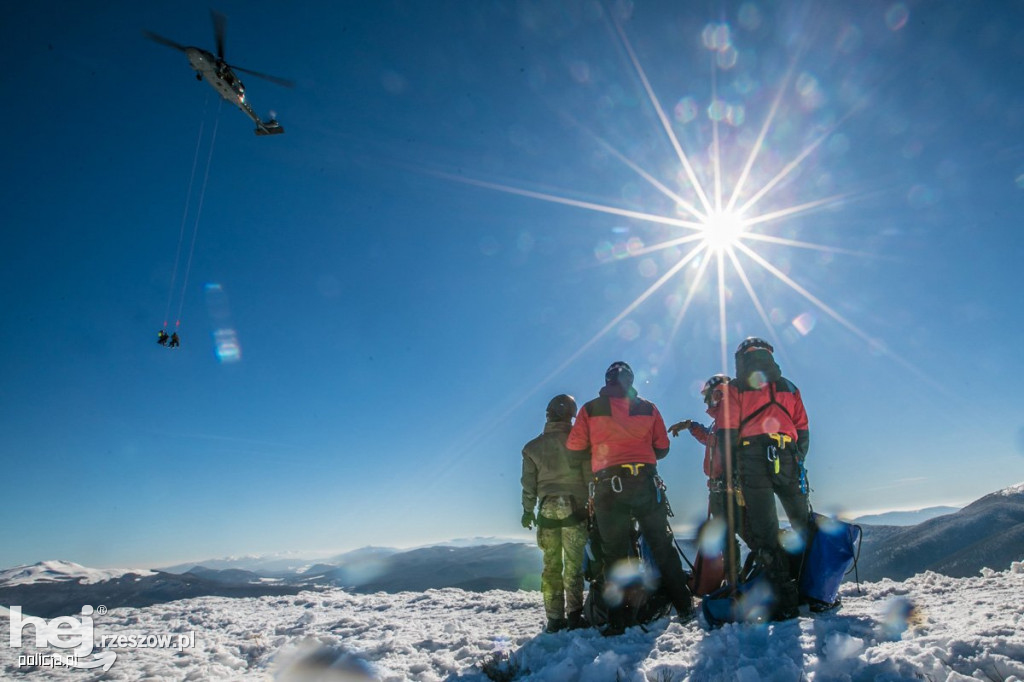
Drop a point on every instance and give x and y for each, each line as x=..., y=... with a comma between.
x=929, y=627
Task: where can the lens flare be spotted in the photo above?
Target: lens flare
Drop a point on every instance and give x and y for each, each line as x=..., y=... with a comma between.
x=226, y=346
x=804, y=323
x=899, y=615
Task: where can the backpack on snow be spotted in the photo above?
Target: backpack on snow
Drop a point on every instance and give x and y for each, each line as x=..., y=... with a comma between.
x=645, y=603
x=832, y=551
x=749, y=602
x=830, y=554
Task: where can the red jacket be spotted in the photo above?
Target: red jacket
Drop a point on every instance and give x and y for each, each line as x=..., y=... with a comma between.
x=619, y=428
x=708, y=437
x=775, y=407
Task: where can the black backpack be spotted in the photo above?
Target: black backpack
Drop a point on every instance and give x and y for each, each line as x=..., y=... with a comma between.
x=645, y=602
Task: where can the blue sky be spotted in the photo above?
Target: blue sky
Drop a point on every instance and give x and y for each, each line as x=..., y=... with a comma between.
x=466, y=216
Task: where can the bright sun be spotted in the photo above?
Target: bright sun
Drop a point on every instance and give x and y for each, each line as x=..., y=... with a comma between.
x=722, y=230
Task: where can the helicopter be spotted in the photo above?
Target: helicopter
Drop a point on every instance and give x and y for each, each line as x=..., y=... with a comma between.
x=221, y=75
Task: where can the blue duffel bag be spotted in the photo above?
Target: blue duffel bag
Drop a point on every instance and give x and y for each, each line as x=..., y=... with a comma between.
x=832, y=552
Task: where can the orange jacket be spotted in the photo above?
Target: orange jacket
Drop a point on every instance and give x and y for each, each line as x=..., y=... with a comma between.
x=619, y=427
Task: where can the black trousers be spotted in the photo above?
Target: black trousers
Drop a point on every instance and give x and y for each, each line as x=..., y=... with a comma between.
x=760, y=485
x=616, y=508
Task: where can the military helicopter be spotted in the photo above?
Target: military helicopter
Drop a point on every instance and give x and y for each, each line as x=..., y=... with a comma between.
x=221, y=75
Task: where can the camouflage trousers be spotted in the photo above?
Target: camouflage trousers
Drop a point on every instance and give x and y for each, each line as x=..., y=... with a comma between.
x=561, y=580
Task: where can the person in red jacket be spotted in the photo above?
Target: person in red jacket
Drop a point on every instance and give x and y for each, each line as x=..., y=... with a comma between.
x=625, y=436
x=763, y=424
x=713, y=392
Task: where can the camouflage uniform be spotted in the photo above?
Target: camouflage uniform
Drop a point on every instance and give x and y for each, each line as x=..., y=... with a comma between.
x=561, y=581
x=555, y=476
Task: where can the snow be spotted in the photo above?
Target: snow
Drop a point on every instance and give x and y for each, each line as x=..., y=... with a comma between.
x=61, y=571
x=1013, y=490
x=929, y=627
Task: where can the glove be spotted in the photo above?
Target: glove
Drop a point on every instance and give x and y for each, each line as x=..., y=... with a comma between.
x=528, y=520
x=679, y=426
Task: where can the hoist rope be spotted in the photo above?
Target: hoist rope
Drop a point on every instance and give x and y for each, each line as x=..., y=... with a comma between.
x=184, y=215
x=199, y=211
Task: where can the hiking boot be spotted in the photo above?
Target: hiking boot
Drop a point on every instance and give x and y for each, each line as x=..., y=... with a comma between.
x=556, y=625
x=613, y=629
x=617, y=620
x=817, y=606
x=787, y=603
x=687, y=612
x=576, y=620
x=785, y=613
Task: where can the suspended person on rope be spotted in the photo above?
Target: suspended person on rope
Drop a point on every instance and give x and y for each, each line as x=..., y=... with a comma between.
x=175, y=341
x=713, y=392
x=162, y=337
x=557, y=478
x=625, y=437
x=763, y=426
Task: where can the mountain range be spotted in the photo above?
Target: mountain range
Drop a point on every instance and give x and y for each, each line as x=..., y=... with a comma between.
x=987, y=533
x=905, y=518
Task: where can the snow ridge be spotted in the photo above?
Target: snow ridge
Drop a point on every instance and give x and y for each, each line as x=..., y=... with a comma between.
x=1013, y=490
x=63, y=571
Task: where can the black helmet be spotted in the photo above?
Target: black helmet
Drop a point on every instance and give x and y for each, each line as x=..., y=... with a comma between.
x=562, y=408
x=619, y=373
x=754, y=343
x=708, y=391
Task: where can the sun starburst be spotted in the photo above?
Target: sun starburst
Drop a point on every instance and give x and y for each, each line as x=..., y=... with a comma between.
x=722, y=230
x=720, y=222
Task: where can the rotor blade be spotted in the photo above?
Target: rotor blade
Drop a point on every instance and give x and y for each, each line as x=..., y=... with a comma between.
x=220, y=23
x=163, y=41
x=273, y=79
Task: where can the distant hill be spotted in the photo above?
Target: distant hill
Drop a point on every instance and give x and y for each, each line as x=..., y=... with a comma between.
x=905, y=518
x=510, y=566
x=231, y=576
x=62, y=572
x=264, y=564
x=49, y=598
x=986, y=533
